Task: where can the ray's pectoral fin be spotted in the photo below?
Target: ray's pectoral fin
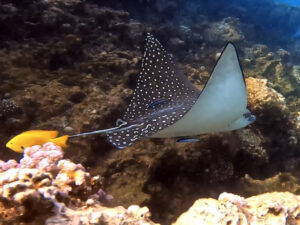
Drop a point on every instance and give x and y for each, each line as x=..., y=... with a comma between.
x=221, y=105
x=163, y=96
x=226, y=85
x=226, y=91
x=225, y=94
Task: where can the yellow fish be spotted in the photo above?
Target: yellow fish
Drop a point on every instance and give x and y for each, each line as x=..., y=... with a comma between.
x=36, y=137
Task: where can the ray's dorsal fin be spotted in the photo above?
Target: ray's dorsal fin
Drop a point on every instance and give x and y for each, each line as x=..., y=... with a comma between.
x=159, y=78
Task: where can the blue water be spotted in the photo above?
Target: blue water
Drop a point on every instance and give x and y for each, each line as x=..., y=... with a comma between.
x=295, y=3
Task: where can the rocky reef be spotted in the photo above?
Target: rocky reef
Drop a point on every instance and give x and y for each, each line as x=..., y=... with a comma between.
x=72, y=66
x=280, y=182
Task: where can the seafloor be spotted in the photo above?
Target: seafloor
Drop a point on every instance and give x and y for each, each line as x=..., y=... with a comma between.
x=72, y=66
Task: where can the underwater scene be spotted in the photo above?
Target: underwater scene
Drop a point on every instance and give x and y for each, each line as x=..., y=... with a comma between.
x=143, y=112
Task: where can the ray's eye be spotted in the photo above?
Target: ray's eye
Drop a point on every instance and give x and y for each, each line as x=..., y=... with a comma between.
x=22, y=147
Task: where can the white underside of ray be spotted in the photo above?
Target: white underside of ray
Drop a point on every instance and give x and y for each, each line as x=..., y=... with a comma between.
x=221, y=104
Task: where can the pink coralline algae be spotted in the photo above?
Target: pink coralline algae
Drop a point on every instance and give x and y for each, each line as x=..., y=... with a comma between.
x=7, y=165
x=44, y=158
x=48, y=159
x=63, y=174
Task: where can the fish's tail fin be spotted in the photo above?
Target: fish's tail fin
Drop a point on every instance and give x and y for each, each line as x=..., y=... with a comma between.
x=61, y=141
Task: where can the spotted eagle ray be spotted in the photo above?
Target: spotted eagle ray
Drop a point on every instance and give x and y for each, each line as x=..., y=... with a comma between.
x=166, y=104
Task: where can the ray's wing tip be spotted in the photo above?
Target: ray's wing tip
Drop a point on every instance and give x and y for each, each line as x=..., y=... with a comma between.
x=230, y=46
x=230, y=43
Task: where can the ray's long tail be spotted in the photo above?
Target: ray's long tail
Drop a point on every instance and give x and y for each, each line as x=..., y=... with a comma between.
x=105, y=131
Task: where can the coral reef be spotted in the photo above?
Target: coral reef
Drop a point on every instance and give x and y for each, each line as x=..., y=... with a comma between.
x=296, y=73
x=97, y=214
x=270, y=208
x=274, y=118
x=42, y=177
x=253, y=156
x=261, y=62
x=257, y=16
x=44, y=188
x=225, y=30
x=172, y=176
